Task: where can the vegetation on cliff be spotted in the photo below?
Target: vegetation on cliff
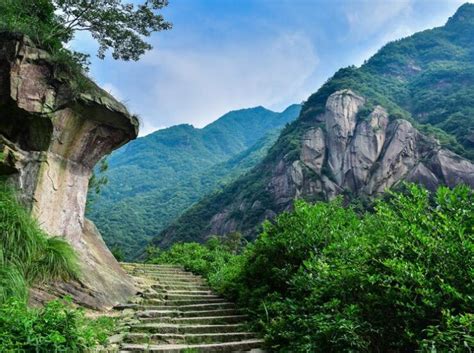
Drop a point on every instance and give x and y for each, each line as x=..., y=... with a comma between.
x=173, y=168
x=325, y=279
x=29, y=257
x=427, y=78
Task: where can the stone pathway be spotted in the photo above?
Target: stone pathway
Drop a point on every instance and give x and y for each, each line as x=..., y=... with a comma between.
x=176, y=311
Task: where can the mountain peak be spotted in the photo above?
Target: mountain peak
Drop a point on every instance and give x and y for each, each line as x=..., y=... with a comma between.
x=464, y=15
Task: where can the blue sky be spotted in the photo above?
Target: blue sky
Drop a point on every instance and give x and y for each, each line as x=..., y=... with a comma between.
x=224, y=55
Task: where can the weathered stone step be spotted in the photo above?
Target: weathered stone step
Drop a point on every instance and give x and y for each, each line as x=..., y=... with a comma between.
x=201, y=320
x=170, y=338
x=168, y=274
x=179, y=281
x=173, y=296
x=189, y=313
x=179, y=302
x=143, y=265
x=185, y=328
x=211, y=347
x=189, y=291
x=186, y=295
x=191, y=307
x=180, y=286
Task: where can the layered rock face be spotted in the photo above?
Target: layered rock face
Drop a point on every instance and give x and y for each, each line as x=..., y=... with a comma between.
x=50, y=139
x=366, y=155
x=345, y=153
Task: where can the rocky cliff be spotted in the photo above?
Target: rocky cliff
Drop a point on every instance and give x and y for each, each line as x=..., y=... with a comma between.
x=346, y=153
x=348, y=149
x=51, y=136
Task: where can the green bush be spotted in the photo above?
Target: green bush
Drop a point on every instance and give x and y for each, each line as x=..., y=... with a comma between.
x=58, y=327
x=324, y=279
x=202, y=260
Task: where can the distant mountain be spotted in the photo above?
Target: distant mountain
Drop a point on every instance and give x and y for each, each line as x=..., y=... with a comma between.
x=406, y=114
x=154, y=179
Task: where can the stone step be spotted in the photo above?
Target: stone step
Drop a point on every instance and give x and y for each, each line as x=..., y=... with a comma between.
x=189, y=291
x=186, y=295
x=180, y=286
x=185, y=328
x=201, y=320
x=179, y=302
x=190, y=313
x=162, y=274
x=174, y=280
x=168, y=274
x=170, y=338
x=211, y=347
x=190, y=307
x=143, y=265
x=176, y=296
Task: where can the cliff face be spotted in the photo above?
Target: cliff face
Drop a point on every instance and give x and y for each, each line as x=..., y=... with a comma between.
x=345, y=153
x=349, y=149
x=50, y=139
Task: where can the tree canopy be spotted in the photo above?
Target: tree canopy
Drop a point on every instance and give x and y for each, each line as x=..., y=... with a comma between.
x=114, y=24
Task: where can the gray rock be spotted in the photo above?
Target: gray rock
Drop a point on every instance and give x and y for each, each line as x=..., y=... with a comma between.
x=341, y=117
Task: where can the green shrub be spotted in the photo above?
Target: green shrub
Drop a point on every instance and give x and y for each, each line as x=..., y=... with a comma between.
x=58, y=327
x=324, y=279
x=200, y=259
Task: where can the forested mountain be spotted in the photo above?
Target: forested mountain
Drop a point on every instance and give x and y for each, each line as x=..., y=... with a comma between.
x=406, y=114
x=154, y=179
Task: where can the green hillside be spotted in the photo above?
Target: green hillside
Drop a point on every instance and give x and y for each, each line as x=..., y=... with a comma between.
x=154, y=179
x=427, y=78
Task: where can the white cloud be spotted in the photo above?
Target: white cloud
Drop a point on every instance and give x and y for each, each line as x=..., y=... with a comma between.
x=386, y=21
x=366, y=17
x=199, y=85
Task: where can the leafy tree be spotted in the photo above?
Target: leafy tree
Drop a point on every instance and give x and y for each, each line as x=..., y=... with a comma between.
x=115, y=25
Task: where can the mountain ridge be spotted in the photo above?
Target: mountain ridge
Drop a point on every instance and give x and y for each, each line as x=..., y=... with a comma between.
x=155, y=178
x=425, y=80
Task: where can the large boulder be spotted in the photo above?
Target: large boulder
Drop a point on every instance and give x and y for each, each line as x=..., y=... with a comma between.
x=52, y=133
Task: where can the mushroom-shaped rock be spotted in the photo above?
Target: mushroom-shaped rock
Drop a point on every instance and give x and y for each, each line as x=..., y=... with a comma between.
x=51, y=136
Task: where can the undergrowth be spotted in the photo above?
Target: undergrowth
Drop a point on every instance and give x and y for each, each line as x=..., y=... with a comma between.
x=28, y=256
x=324, y=278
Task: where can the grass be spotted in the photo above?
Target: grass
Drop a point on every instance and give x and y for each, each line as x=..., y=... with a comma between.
x=27, y=254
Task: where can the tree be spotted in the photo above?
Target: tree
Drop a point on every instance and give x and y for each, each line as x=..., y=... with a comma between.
x=115, y=25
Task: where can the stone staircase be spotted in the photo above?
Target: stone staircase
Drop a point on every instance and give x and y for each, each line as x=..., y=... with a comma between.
x=176, y=311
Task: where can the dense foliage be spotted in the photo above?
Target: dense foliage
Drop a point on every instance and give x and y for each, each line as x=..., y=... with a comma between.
x=426, y=78
x=173, y=168
x=324, y=279
x=57, y=327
